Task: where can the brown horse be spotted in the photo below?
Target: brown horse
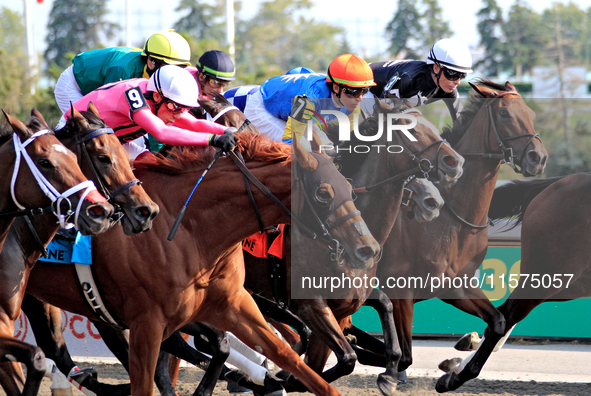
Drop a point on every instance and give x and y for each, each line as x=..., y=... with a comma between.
x=383, y=176
x=61, y=169
x=554, y=248
x=497, y=125
x=154, y=286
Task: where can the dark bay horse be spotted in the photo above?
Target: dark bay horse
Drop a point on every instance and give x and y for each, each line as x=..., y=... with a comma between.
x=60, y=167
x=555, y=248
x=382, y=175
x=154, y=286
x=497, y=125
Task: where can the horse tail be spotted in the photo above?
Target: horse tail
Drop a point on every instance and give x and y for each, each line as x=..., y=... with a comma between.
x=512, y=199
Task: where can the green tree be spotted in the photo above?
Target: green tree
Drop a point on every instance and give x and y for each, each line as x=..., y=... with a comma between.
x=404, y=25
x=571, y=21
x=14, y=84
x=490, y=20
x=76, y=26
x=525, y=39
x=434, y=27
x=279, y=38
x=202, y=20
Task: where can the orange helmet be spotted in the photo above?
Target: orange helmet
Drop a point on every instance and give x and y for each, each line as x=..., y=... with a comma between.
x=350, y=70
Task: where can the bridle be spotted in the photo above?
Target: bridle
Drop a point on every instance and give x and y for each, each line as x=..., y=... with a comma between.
x=48, y=189
x=423, y=165
x=337, y=252
x=506, y=155
x=83, y=151
x=227, y=109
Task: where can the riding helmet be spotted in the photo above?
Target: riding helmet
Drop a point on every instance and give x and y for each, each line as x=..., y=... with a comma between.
x=216, y=64
x=451, y=54
x=350, y=70
x=176, y=84
x=169, y=47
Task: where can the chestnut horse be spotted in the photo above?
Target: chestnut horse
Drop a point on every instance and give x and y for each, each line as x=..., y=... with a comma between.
x=383, y=174
x=154, y=286
x=497, y=125
x=54, y=168
x=554, y=246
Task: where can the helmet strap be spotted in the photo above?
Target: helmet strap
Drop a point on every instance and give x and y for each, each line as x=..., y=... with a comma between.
x=437, y=75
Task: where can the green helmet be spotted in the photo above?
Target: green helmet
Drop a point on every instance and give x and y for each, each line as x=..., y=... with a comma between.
x=169, y=47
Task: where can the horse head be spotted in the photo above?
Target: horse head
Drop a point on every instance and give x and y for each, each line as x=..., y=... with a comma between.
x=328, y=208
x=425, y=200
x=53, y=172
x=103, y=158
x=224, y=113
x=512, y=124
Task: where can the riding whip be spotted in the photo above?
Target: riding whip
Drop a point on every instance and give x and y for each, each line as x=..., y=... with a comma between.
x=179, y=217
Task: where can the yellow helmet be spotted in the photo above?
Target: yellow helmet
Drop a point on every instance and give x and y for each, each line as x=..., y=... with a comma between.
x=169, y=47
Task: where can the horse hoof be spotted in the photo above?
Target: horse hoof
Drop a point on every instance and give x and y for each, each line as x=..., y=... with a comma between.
x=469, y=342
x=387, y=384
x=61, y=392
x=442, y=384
x=402, y=378
x=450, y=365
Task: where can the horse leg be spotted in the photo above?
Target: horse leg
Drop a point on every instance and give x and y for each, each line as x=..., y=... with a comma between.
x=381, y=303
x=513, y=310
x=145, y=336
x=248, y=324
x=218, y=341
x=174, y=364
x=318, y=316
x=403, y=311
x=271, y=310
x=13, y=351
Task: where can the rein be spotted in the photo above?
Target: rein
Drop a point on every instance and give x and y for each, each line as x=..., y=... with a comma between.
x=337, y=252
x=47, y=188
x=110, y=196
x=506, y=154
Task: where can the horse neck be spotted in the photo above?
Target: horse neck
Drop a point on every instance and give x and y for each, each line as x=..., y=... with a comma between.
x=21, y=238
x=380, y=207
x=470, y=196
x=220, y=210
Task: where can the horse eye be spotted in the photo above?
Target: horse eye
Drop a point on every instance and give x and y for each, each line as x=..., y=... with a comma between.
x=104, y=159
x=322, y=196
x=504, y=113
x=45, y=163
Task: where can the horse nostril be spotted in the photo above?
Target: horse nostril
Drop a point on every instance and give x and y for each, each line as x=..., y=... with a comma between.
x=450, y=161
x=143, y=213
x=533, y=157
x=430, y=203
x=97, y=211
x=365, y=253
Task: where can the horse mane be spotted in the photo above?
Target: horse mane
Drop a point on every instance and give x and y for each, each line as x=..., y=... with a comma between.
x=72, y=126
x=454, y=133
x=180, y=160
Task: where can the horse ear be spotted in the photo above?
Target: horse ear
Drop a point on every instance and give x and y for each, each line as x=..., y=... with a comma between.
x=36, y=113
x=306, y=160
x=92, y=108
x=316, y=145
x=484, y=92
x=18, y=126
x=509, y=86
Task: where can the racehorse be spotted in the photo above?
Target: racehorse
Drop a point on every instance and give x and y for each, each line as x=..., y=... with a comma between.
x=554, y=247
x=154, y=286
x=383, y=175
x=496, y=126
x=54, y=168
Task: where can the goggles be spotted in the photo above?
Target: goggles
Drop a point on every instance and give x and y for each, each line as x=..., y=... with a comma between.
x=175, y=108
x=354, y=92
x=453, y=75
x=217, y=84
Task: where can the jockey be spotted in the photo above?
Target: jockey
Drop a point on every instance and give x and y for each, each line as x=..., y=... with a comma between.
x=157, y=106
x=93, y=69
x=213, y=72
x=420, y=82
x=240, y=95
x=349, y=78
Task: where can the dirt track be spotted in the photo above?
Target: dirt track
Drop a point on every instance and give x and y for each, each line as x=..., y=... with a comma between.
x=364, y=385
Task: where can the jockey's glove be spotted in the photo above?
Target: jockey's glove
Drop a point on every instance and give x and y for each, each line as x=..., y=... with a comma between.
x=226, y=142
